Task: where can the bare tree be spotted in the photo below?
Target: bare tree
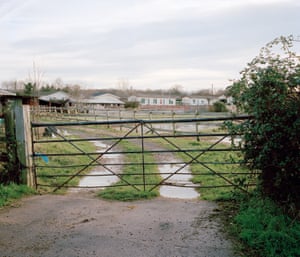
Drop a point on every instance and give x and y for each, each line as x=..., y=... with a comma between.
x=74, y=91
x=124, y=87
x=176, y=90
x=58, y=83
x=36, y=79
x=13, y=85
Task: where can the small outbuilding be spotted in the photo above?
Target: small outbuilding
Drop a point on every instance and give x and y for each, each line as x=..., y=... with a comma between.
x=57, y=99
x=102, y=101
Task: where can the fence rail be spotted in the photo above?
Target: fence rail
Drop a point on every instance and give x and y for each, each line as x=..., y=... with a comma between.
x=107, y=114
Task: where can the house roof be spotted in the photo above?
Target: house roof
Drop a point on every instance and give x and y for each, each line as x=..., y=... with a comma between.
x=152, y=96
x=56, y=97
x=107, y=95
x=5, y=92
x=103, y=99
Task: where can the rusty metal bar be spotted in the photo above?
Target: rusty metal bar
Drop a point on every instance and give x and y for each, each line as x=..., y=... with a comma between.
x=145, y=151
x=137, y=137
x=143, y=156
x=120, y=122
x=135, y=163
x=150, y=173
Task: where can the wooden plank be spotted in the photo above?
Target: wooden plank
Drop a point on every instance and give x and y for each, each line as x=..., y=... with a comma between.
x=24, y=143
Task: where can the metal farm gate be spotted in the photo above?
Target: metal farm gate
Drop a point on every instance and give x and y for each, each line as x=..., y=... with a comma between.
x=130, y=152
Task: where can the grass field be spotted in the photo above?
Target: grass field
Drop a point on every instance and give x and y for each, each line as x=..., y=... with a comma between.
x=58, y=165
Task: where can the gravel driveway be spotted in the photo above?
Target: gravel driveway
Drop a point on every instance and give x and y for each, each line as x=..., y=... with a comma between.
x=78, y=224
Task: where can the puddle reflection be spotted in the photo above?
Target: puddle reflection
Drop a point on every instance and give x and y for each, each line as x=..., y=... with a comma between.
x=101, y=176
x=182, y=177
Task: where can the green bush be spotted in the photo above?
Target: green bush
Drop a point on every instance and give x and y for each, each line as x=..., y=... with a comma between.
x=269, y=90
x=219, y=107
x=132, y=105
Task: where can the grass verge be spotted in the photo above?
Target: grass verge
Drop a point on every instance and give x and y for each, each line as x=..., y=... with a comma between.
x=262, y=229
x=12, y=192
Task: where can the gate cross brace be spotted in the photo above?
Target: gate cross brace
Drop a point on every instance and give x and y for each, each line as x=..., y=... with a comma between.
x=194, y=159
x=94, y=159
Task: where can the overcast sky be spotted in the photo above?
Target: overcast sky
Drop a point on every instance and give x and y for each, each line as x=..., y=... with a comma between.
x=153, y=44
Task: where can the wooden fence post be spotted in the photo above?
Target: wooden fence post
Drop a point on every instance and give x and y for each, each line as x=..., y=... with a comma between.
x=13, y=171
x=24, y=142
x=197, y=123
x=173, y=124
x=120, y=118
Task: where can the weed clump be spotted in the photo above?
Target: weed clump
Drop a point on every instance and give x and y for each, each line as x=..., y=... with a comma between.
x=263, y=227
x=12, y=192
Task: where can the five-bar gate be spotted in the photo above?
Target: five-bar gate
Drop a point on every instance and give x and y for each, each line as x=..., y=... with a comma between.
x=138, y=148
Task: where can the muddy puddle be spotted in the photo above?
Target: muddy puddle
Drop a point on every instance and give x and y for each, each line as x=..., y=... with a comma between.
x=101, y=177
x=181, y=178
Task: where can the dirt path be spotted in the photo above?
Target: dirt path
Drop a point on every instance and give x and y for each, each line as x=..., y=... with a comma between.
x=79, y=224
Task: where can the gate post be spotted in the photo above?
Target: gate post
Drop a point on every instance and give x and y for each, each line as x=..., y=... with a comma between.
x=13, y=171
x=24, y=142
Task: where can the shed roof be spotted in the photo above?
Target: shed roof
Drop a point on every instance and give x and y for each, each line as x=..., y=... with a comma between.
x=57, y=96
x=5, y=92
x=104, y=99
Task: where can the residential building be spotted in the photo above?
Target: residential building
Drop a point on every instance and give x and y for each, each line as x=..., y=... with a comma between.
x=198, y=101
x=102, y=101
x=153, y=100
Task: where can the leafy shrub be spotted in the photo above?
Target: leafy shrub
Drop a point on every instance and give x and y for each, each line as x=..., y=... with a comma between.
x=269, y=90
x=132, y=105
x=219, y=107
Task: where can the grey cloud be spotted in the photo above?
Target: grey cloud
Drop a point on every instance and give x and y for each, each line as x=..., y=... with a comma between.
x=217, y=43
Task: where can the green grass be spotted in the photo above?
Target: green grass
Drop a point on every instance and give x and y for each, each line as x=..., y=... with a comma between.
x=125, y=192
x=201, y=175
x=205, y=175
x=264, y=230
x=61, y=161
x=10, y=193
